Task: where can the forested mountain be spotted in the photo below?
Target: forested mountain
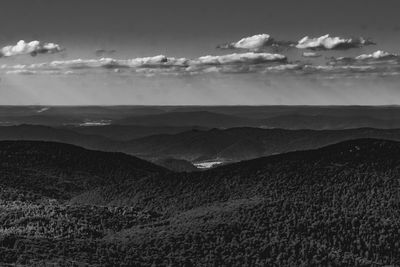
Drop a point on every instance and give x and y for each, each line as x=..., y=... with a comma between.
x=254, y=178
x=225, y=145
x=129, y=132
x=194, y=118
x=235, y=144
x=287, y=117
x=177, y=165
x=329, y=122
x=60, y=171
x=46, y=133
x=334, y=206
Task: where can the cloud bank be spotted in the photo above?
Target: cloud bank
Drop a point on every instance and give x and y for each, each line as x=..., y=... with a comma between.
x=237, y=62
x=376, y=58
x=326, y=42
x=378, y=55
x=378, y=63
x=241, y=58
x=33, y=48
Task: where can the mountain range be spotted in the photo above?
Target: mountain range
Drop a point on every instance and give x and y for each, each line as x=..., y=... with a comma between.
x=336, y=205
x=225, y=145
x=287, y=117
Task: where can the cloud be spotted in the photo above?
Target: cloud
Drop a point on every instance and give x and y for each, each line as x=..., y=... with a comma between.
x=254, y=43
x=241, y=58
x=376, y=58
x=33, y=48
x=378, y=55
x=237, y=62
x=378, y=63
x=33, y=72
x=327, y=42
x=311, y=54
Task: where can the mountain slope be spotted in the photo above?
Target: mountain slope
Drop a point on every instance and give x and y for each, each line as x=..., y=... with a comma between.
x=285, y=173
x=129, y=132
x=46, y=133
x=177, y=165
x=194, y=118
x=226, y=145
x=329, y=122
x=61, y=171
x=237, y=144
x=333, y=206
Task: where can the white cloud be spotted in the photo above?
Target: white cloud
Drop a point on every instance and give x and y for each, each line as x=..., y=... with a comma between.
x=327, y=42
x=157, y=64
x=284, y=67
x=376, y=58
x=255, y=42
x=241, y=58
x=311, y=54
x=378, y=55
x=33, y=48
x=377, y=63
x=159, y=61
x=33, y=72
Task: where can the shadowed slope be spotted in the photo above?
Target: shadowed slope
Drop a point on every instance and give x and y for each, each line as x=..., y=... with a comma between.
x=60, y=171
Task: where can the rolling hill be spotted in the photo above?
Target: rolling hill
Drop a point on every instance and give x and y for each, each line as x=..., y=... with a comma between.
x=195, y=118
x=60, y=171
x=337, y=205
x=236, y=144
x=225, y=145
x=129, y=132
x=254, y=178
x=287, y=117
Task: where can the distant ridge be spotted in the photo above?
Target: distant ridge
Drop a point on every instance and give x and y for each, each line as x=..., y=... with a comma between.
x=225, y=145
x=193, y=118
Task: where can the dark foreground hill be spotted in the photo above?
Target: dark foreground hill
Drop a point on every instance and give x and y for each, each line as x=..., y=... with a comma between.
x=334, y=206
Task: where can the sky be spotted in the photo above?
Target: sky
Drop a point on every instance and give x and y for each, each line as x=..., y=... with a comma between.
x=129, y=35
